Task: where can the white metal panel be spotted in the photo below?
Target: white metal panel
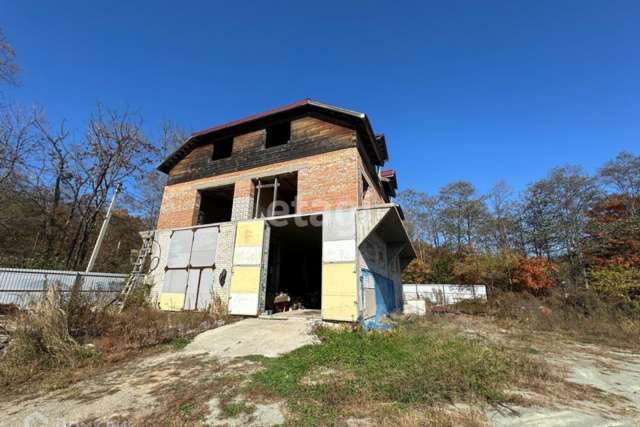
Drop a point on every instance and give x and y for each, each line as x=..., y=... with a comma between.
x=175, y=281
x=446, y=294
x=339, y=225
x=247, y=255
x=415, y=307
x=180, y=249
x=339, y=251
x=192, y=290
x=205, y=246
x=206, y=288
x=243, y=304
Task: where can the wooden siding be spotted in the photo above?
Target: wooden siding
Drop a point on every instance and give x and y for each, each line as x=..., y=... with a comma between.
x=309, y=136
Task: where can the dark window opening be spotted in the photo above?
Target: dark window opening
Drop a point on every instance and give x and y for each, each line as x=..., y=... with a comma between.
x=222, y=149
x=276, y=195
x=278, y=135
x=295, y=264
x=365, y=187
x=215, y=205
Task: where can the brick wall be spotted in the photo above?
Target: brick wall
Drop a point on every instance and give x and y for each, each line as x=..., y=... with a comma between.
x=325, y=181
x=373, y=195
x=323, y=153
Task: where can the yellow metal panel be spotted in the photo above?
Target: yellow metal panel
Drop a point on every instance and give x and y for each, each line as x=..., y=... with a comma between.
x=245, y=279
x=171, y=302
x=339, y=292
x=250, y=233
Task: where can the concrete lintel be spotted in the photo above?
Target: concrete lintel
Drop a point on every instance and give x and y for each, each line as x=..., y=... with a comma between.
x=249, y=175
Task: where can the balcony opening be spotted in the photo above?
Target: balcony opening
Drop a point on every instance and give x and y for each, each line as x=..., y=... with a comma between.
x=276, y=196
x=279, y=134
x=215, y=205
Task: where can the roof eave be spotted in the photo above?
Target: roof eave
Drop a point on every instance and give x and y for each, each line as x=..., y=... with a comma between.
x=166, y=165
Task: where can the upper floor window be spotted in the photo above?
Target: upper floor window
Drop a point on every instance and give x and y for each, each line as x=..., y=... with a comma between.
x=279, y=134
x=222, y=148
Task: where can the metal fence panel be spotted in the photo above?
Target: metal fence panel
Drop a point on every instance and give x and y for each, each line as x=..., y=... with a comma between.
x=19, y=286
x=444, y=294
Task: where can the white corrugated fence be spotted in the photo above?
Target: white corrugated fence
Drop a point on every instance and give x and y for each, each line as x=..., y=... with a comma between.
x=18, y=286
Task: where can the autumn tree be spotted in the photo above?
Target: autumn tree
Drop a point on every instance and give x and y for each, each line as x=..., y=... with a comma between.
x=622, y=175
x=534, y=275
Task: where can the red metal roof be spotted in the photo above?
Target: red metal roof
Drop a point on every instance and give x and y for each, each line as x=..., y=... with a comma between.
x=255, y=116
x=387, y=173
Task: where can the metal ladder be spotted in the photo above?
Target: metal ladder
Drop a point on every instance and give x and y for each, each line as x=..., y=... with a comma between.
x=134, y=278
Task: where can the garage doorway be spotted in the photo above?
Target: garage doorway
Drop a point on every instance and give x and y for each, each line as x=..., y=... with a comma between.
x=295, y=263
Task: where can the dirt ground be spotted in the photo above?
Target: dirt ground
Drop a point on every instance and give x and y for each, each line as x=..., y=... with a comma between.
x=211, y=362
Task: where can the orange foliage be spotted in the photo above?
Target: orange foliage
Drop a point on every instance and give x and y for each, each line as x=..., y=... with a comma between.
x=534, y=275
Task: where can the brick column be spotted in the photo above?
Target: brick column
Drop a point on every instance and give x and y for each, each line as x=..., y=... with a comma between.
x=243, y=200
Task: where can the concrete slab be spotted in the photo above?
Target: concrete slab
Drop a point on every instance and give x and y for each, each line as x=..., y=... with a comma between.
x=253, y=336
x=307, y=314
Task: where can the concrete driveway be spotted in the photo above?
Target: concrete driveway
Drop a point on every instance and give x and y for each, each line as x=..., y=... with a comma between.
x=264, y=337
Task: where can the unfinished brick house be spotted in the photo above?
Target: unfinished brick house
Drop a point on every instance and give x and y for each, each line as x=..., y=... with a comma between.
x=291, y=200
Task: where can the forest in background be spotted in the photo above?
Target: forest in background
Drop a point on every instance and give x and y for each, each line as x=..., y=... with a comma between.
x=567, y=231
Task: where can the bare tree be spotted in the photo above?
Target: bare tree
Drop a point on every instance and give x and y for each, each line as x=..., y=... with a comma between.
x=462, y=210
x=114, y=149
x=8, y=68
x=151, y=187
x=17, y=141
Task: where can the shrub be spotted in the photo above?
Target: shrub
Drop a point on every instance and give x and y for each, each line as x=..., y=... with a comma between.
x=40, y=341
x=617, y=281
x=583, y=315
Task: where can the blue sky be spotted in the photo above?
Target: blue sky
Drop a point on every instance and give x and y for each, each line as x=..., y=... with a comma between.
x=464, y=90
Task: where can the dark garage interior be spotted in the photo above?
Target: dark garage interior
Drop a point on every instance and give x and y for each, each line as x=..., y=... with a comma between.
x=295, y=263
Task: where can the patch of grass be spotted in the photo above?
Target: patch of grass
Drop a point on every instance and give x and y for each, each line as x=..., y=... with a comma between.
x=417, y=364
x=179, y=343
x=190, y=412
x=232, y=410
